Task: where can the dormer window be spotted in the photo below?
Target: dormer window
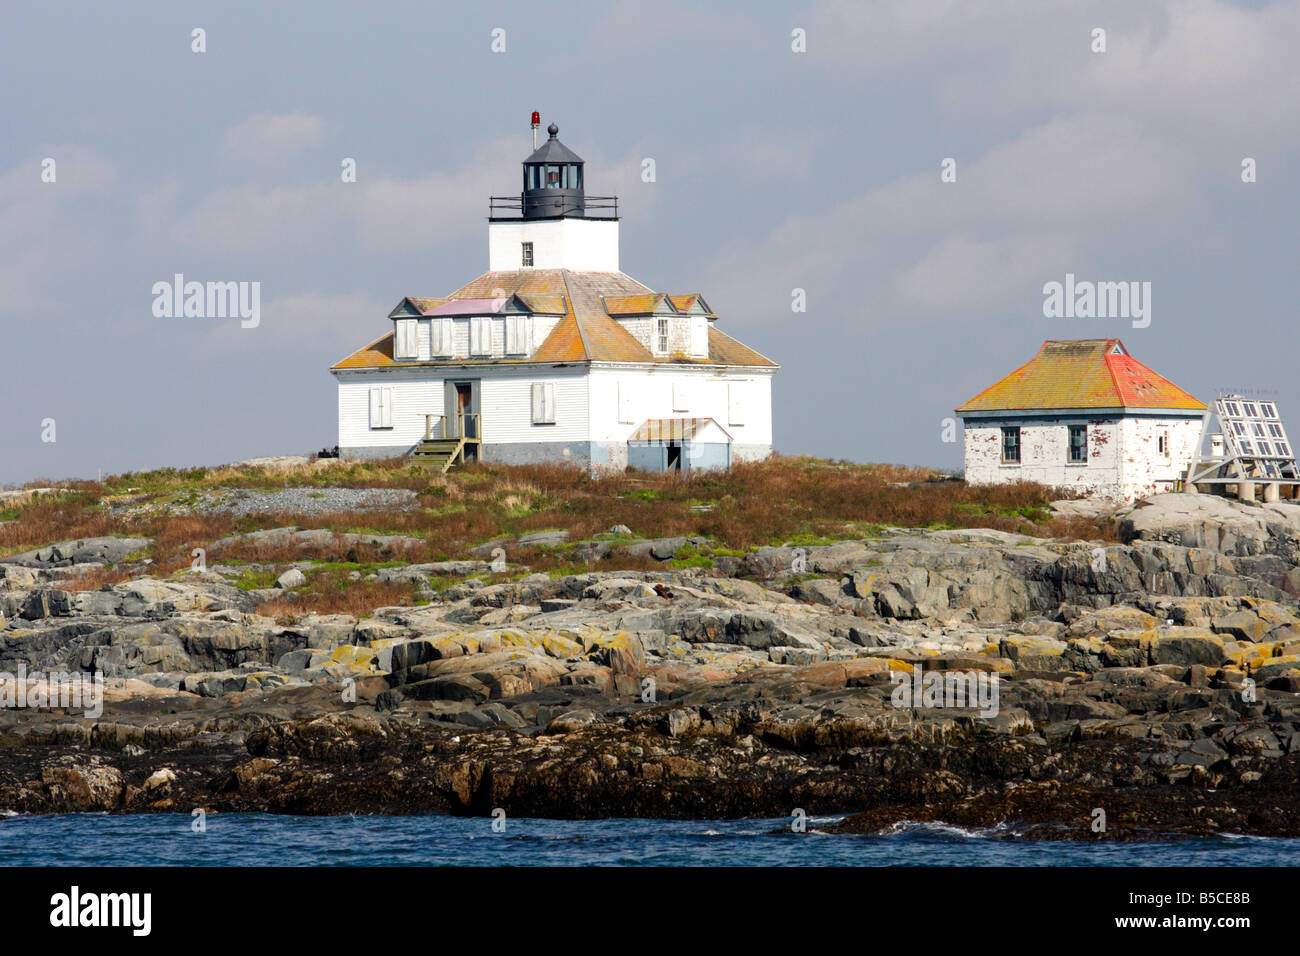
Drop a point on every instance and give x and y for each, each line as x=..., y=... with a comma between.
x=661, y=337
x=406, y=342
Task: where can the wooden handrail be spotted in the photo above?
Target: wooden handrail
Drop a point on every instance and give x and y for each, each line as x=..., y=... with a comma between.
x=477, y=426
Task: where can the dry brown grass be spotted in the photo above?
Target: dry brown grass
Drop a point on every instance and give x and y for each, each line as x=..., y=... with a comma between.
x=95, y=578
x=781, y=499
x=330, y=592
x=50, y=518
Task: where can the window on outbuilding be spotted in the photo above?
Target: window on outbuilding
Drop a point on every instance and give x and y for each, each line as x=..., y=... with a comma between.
x=527, y=254
x=1011, y=444
x=1078, y=444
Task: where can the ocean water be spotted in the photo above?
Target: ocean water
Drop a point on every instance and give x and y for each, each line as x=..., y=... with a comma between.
x=265, y=839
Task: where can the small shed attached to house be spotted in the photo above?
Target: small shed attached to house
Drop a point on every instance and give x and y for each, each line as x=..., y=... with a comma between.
x=679, y=444
x=1086, y=415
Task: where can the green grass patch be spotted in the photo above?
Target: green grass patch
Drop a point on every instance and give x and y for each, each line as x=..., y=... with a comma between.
x=250, y=579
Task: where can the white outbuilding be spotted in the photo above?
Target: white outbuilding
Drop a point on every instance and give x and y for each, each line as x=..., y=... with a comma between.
x=1083, y=414
x=554, y=354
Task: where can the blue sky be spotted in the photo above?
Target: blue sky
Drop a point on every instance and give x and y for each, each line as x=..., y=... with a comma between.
x=775, y=170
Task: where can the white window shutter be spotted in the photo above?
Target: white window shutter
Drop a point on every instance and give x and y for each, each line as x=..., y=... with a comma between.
x=699, y=337
x=735, y=404
x=408, y=338
x=538, y=403
x=381, y=408
x=543, y=403
x=477, y=326
x=625, y=403
x=516, y=334
x=440, y=343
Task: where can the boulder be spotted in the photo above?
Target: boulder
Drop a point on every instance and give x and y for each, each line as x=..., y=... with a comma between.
x=662, y=549
x=293, y=578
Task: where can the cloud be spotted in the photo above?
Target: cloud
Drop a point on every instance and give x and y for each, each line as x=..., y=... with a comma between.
x=1120, y=155
x=35, y=214
x=1021, y=214
x=1191, y=67
x=385, y=211
x=335, y=325
x=268, y=138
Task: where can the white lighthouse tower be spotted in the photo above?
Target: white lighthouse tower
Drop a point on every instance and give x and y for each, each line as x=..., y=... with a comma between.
x=552, y=224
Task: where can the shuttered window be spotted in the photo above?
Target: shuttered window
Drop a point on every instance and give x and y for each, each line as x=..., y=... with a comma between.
x=735, y=404
x=407, y=343
x=543, y=403
x=480, y=335
x=700, y=337
x=681, y=397
x=381, y=408
x=441, y=339
x=516, y=334
x=625, y=403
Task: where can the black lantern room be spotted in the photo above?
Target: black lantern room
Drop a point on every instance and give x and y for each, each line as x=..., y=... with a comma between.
x=553, y=181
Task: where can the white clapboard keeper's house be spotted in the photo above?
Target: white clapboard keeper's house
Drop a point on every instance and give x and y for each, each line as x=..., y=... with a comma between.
x=555, y=355
x=1086, y=415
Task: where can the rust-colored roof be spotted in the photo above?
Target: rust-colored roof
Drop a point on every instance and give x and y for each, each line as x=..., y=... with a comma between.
x=673, y=429
x=684, y=303
x=634, y=304
x=724, y=350
x=586, y=331
x=377, y=354
x=415, y=304
x=564, y=344
x=541, y=303
x=1082, y=373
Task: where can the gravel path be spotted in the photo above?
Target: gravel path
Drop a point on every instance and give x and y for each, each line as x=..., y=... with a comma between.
x=305, y=501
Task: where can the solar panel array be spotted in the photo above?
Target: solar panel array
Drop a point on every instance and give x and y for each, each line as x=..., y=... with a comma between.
x=1256, y=438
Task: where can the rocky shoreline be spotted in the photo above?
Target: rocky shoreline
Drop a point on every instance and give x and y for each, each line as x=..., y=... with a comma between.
x=1154, y=680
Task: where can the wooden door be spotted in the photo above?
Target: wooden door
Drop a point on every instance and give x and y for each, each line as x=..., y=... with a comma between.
x=464, y=403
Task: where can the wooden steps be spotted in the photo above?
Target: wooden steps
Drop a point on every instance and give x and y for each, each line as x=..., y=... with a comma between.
x=439, y=453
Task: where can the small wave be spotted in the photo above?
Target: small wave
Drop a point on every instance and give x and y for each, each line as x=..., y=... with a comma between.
x=928, y=828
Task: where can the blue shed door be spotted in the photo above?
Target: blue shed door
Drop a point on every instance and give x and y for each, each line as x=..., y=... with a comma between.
x=644, y=456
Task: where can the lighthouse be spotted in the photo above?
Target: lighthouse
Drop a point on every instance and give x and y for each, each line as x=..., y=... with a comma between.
x=555, y=355
x=552, y=223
